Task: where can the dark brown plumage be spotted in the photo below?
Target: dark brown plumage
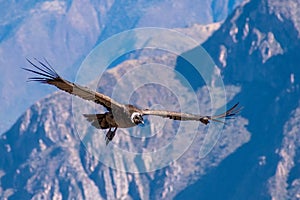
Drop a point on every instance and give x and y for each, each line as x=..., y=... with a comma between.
x=118, y=115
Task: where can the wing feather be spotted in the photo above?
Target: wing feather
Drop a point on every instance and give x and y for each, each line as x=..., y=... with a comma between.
x=185, y=116
x=49, y=76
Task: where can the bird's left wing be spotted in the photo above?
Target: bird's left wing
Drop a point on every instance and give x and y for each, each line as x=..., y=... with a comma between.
x=49, y=76
x=185, y=116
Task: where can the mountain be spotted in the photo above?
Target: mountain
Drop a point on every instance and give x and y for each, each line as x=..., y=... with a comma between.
x=257, y=49
x=49, y=153
x=65, y=32
x=256, y=157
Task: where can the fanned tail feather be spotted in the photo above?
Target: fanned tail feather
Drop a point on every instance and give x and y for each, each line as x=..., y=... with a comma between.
x=97, y=120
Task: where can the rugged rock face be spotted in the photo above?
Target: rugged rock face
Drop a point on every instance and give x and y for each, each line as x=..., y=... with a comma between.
x=257, y=48
x=43, y=156
x=284, y=184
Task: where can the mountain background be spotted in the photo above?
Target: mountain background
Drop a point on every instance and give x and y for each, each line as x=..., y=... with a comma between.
x=257, y=50
x=64, y=32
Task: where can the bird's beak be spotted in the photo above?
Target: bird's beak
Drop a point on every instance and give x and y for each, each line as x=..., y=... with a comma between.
x=142, y=123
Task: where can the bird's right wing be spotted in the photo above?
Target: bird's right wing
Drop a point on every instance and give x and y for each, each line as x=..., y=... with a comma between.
x=49, y=76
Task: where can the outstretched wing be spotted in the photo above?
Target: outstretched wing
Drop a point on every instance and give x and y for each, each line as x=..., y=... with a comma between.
x=49, y=76
x=185, y=116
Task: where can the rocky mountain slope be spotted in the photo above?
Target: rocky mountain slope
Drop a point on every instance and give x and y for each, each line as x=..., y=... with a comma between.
x=257, y=49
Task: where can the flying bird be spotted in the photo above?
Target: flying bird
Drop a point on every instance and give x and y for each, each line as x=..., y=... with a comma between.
x=118, y=115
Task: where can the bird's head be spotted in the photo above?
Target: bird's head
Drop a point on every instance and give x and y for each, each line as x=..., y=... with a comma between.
x=137, y=118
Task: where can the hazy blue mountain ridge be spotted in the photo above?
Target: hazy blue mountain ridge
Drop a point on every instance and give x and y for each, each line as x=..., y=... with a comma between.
x=65, y=32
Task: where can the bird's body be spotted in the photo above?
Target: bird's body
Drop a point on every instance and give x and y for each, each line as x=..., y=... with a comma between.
x=117, y=115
